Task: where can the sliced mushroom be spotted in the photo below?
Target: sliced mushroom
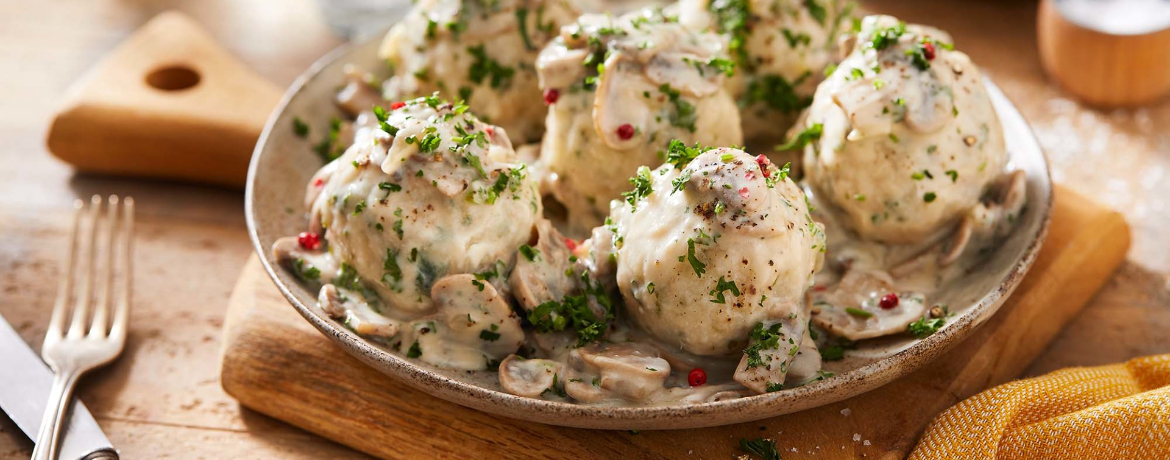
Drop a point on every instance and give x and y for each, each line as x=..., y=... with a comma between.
x=586, y=389
x=865, y=107
x=958, y=242
x=560, y=67
x=472, y=329
x=806, y=365
x=612, y=107
x=990, y=219
x=928, y=109
x=765, y=364
x=851, y=308
x=359, y=93
x=356, y=314
x=285, y=250
x=628, y=371
x=543, y=279
x=329, y=300
x=528, y=377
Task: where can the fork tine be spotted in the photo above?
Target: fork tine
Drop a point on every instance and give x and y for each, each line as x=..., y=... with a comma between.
x=85, y=294
x=65, y=288
x=101, y=314
x=125, y=253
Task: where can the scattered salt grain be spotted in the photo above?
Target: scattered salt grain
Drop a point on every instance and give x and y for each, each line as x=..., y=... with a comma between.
x=856, y=437
x=866, y=443
x=846, y=412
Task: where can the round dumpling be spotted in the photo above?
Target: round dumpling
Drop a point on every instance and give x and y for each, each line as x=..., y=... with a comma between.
x=902, y=138
x=781, y=47
x=709, y=246
x=621, y=90
x=440, y=194
x=478, y=51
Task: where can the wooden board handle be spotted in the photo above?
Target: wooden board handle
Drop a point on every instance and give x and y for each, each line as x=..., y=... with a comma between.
x=168, y=103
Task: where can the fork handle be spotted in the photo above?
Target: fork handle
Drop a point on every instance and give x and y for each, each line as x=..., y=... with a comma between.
x=50, y=433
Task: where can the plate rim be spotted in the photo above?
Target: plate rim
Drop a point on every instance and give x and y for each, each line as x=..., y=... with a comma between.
x=752, y=408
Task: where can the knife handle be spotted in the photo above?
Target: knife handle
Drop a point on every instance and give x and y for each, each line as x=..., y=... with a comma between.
x=49, y=436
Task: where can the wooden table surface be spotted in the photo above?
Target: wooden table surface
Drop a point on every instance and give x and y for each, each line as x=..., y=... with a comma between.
x=162, y=398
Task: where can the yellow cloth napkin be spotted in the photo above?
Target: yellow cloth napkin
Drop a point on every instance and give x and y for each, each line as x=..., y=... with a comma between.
x=1120, y=411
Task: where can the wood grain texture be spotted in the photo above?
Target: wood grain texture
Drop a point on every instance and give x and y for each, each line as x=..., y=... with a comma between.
x=277, y=364
x=168, y=103
x=1100, y=68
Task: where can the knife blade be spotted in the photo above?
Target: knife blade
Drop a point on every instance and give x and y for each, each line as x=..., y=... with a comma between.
x=25, y=381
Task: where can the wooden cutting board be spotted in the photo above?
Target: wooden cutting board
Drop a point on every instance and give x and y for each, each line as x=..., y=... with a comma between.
x=276, y=363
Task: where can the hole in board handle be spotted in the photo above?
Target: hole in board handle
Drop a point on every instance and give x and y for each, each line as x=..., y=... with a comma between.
x=173, y=78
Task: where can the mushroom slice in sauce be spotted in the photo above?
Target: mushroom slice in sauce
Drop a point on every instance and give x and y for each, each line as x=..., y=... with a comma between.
x=472, y=329
x=852, y=308
x=765, y=364
x=360, y=92
x=991, y=219
x=356, y=314
x=806, y=365
x=529, y=377
x=542, y=278
x=627, y=371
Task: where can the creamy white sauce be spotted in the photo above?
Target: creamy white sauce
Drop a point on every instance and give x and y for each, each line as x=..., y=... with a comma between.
x=705, y=280
x=625, y=87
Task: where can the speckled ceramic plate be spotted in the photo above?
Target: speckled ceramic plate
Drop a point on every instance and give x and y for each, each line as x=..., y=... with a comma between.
x=283, y=163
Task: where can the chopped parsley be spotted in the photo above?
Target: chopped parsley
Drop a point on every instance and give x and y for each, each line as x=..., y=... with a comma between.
x=382, y=116
x=762, y=338
x=726, y=66
x=796, y=39
x=884, y=37
x=415, y=351
x=925, y=327
x=573, y=312
x=300, y=127
x=771, y=387
x=816, y=11
x=684, y=114
x=330, y=147
x=389, y=187
x=763, y=448
x=509, y=180
x=522, y=23
x=954, y=175
x=489, y=335
x=397, y=226
x=484, y=67
x=679, y=155
x=731, y=18
x=361, y=206
x=929, y=197
x=698, y=266
x=858, y=312
x=642, y=187
x=803, y=138
x=529, y=252
x=390, y=268
x=832, y=352
x=778, y=93
x=720, y=286
x=305, y=271
x=681, y=181
x=347, y=278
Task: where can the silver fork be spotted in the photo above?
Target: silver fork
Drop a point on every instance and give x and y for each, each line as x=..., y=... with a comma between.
x=71, y=353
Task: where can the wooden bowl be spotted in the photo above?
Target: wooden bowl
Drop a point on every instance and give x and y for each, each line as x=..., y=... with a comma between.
x=1120, y=67
x=283, y=163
